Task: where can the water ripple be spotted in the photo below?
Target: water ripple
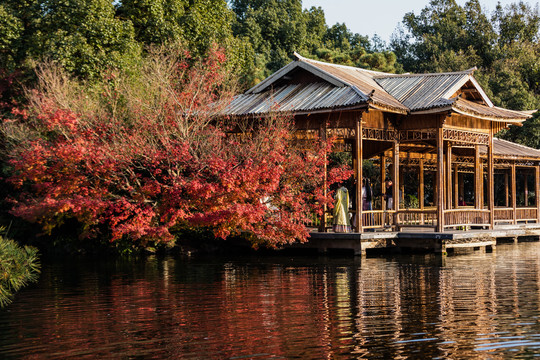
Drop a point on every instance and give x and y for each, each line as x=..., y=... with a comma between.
x=476, y=306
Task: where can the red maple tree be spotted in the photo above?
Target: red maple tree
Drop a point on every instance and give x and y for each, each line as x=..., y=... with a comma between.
x=141, y=156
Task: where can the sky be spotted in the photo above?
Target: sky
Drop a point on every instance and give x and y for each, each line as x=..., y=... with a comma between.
x=369, y=17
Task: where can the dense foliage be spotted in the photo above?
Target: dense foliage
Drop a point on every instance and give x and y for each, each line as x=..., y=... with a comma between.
x=19, y=266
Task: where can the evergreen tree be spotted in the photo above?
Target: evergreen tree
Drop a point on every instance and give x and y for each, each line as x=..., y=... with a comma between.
x=449, y=37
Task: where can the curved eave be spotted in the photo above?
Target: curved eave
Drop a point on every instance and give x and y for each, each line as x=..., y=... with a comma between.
x=380, y=106
x=516, y=157
x=362, y=106
x=518, y=119
x=489, y=117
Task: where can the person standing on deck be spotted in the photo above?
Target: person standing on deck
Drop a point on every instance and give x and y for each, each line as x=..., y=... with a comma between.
x=363, y=192
x=367, y=196
x=341, y=222
x=389, y=195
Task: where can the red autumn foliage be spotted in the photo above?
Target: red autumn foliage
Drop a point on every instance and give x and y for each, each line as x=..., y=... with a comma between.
x=144, y=156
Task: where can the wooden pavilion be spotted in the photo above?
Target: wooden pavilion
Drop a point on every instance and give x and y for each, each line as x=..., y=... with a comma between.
x=436, y=128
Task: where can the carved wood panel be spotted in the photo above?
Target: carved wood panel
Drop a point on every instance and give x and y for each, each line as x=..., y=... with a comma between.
x=417, y=135
x=379, y=134
x=469, y=137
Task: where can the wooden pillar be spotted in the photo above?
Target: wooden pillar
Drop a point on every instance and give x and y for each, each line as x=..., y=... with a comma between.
x=526, y=188
x=383, y=180
x=481, y=168
x=461, y=182
x=506, y=189
x=421, y=189
x=322, y=136
x=456, y=186
x=358, y=157
x=395, y=175
x=421, y=185
x=491, y=187
x=514, y=198
x=477, y=176
x=440, y=180
x=448, y=175
x=537, y=189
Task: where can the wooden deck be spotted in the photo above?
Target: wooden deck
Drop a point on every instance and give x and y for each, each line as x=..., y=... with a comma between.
x=421, y=239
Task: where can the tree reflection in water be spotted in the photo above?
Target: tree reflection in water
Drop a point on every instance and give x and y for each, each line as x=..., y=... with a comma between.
x=469, y=306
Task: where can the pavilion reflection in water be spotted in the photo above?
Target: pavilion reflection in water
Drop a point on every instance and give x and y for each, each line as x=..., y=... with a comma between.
x=431, y=134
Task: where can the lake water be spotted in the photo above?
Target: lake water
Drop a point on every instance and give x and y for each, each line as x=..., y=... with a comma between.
x=472, y=306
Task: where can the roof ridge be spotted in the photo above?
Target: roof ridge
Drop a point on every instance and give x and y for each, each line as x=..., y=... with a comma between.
x=305, y=59
x=462, y=72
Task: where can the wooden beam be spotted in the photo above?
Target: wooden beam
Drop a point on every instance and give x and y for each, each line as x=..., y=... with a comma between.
x=440, y=180
x=514, y=198
x=358, y=157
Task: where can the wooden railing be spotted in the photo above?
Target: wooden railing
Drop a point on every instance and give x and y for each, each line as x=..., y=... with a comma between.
x=416, y=218
x=527, y=214
x=503, y=216
x=523, y=214
x=373, y=219
x=313, y=222
x=453, y=218
x=466, y=217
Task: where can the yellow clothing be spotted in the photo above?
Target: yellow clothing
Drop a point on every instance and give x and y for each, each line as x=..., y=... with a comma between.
x=342, y=223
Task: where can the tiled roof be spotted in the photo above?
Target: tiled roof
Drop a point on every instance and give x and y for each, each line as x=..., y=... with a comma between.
x=345, y=87
x=363, y=80
x=508, y=149
x=423, y=91
x=296, y=98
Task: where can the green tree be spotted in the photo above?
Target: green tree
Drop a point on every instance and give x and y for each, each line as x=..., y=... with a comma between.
x=19, y=24
x=154, y=21
x=315, y=27
x=517, y=23
x=85, y=37
x=10, y=31
x=196, y=25
x=448, y=37
x=275, y=28
x=339, y=37
x=444, y=37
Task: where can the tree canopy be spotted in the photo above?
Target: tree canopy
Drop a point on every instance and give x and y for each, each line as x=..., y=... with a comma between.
x=503, y=45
